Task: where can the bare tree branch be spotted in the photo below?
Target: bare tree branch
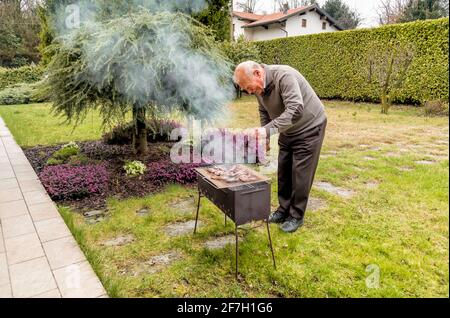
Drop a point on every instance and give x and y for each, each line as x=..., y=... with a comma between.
x=247, y=5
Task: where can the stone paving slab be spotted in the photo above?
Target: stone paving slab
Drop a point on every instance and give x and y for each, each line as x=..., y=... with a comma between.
x=39, y=257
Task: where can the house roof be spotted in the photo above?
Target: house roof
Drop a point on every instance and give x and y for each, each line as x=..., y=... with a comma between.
x=281, y=17
x=247, y=16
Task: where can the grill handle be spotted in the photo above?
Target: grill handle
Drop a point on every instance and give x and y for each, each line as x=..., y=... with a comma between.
x=253, y=191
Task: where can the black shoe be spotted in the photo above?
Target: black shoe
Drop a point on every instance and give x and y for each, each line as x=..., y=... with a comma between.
x=278, y=217
x=291, y=225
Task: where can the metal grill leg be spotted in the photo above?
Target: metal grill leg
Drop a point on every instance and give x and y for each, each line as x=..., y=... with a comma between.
x=237, y=250
x=198, y=208
x=270, y=241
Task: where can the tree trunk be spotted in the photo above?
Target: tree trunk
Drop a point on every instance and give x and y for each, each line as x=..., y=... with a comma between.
x=140, y=132
x=231, y=21
x=385, y=104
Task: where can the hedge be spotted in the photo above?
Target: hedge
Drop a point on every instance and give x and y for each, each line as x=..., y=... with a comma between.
x=22, y=93
x=336, y=65
x=25, y=74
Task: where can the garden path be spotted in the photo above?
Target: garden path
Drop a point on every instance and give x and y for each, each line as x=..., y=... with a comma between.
x=39, y=257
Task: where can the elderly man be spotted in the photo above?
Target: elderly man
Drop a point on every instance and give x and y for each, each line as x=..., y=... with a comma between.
x=288, y=104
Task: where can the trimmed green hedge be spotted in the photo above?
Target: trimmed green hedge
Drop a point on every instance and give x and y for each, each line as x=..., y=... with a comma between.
x=22, y=93
x=336, y=63
x=25, y=74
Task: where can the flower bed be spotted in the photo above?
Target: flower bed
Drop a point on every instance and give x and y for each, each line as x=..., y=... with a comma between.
x=70, y=182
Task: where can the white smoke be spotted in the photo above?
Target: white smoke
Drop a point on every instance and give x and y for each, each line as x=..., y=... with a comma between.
x=196, y=78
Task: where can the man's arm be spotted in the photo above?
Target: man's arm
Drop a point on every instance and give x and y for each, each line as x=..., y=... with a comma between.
x=293, y=101
x=263, y=115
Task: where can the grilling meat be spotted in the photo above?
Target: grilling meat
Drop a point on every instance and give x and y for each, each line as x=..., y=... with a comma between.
x=234, y=174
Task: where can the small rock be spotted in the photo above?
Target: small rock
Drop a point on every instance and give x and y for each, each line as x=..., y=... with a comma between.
x=156, y=263
x=177, y=229
x=92, y=221
x=163, y=259
x=119, y=241
x=334, y=190
x=220, y=242
x=369, y=158
x=142, y=212
x=184, y=207
x=94, y=213
x=315, y=204
x=405, y=169
x=94, y=217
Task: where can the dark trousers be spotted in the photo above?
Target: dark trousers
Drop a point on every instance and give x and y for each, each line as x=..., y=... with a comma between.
x=297, y=164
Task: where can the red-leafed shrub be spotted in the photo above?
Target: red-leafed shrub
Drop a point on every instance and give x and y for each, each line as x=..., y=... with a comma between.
x=70, y=182
x=167, y=172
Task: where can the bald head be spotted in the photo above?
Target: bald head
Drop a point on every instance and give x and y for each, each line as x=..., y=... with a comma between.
x=249, y=76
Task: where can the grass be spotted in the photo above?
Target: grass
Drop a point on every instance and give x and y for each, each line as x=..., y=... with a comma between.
x=399, y=228
x=34, y=125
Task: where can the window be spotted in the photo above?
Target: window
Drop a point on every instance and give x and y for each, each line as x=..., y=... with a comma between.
x=324, y=25
x=303, y=23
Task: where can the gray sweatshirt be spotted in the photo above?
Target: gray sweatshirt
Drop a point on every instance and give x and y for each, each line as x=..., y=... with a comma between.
x=289, y=103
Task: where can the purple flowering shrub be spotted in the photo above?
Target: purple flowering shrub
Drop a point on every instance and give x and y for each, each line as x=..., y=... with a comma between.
x=70, y=182
x=163, y=172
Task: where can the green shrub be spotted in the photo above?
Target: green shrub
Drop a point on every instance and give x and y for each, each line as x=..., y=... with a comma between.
x=134, y=168
x=336, y=64
x=71, y=145
x=78, y=160
x=54, y=162
x=436, y=108
x=240, y=50
x=24, y=74
x=65, y=154
x=22, y=93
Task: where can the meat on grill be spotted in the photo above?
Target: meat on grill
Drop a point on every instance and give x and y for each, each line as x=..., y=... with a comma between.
x=234, y=174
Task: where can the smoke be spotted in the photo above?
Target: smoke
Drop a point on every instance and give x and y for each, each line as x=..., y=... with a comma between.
x=71, y=14
x=146, y=62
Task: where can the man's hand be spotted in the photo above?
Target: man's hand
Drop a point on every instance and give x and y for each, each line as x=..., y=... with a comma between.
x=258, y=133
x=267, y=144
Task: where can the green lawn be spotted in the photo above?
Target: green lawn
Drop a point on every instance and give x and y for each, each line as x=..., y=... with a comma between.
x=396, y=222
x=34, y=125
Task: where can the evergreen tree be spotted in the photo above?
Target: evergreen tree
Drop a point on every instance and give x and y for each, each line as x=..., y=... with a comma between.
x=145, y=63
x=215, y=15
x=344, y=16
x=19, y=28
x=424, y=9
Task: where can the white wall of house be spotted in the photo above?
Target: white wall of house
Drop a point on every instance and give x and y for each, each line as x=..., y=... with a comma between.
x=313, y=24
x=238, y=27
x=293, y=26
x=262, y=34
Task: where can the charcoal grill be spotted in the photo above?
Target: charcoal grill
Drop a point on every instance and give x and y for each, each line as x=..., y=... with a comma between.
x=242, y=202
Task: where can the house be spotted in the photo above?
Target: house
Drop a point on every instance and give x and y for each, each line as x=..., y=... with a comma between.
x=299, y=21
